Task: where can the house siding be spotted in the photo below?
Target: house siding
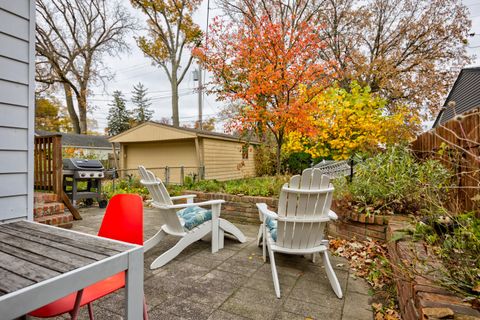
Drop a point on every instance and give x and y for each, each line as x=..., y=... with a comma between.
x=17, y=63
x=172, y=154
x=223, y=160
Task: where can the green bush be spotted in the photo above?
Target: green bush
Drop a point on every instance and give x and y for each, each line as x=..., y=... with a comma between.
x=122, y=186
x=296, y=162
x=395, y=182
x=260, y=186
x=265, y=161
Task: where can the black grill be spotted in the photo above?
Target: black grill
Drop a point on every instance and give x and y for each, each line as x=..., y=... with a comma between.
x=82, y=170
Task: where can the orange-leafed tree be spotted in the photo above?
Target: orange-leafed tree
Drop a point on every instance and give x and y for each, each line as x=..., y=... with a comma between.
x=260, y=65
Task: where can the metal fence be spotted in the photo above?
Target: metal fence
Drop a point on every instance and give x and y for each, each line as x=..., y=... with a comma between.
x=169, y=175
x=335, y=169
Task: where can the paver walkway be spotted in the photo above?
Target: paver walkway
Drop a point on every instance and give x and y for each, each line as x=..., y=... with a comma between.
x=234, y=283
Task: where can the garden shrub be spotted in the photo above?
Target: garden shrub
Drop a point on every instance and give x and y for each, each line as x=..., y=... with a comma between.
x=296, y=162
x=259, y=186
x=456, y=241
x=395, y=182
x=265, y=161
x=122, y=186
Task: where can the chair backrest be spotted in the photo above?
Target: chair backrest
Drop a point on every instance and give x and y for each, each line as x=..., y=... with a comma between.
x=123, y=219
x=303, y=208
x=160, y=196
x=157, y=190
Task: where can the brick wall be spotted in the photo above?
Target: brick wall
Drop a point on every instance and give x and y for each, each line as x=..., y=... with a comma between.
x=237, y=209
x=242, y=209
x=419, y=297
x=360, y=226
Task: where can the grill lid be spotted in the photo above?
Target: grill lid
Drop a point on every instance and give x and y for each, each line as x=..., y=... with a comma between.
x=82, y=164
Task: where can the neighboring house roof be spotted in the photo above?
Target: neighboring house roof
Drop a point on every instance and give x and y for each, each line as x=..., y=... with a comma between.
x=465, y=93
x=177, y=133
x=79, y=140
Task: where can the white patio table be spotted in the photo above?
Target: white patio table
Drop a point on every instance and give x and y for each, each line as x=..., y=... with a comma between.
x=40, y=264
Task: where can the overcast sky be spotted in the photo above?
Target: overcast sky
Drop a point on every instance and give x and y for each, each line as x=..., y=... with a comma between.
x=132, y=68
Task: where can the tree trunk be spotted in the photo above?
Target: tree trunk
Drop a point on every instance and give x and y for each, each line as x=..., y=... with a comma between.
x=70, y=108
x=82, y=111
x=279, y=153
x=175, y=116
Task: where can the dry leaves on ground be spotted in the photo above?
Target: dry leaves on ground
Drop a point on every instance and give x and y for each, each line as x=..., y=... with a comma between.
x=368, y=259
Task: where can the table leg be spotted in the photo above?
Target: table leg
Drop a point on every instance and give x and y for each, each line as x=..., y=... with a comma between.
x=134, y=285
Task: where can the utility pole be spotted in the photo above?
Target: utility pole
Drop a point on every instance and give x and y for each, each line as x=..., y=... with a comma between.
x=200, y=98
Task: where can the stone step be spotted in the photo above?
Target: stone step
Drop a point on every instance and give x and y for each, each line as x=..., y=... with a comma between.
x=48, y=209
x=44, y=197
x=63, y=220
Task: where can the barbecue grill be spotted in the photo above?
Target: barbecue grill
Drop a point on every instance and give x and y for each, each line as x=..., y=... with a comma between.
x=82, y=170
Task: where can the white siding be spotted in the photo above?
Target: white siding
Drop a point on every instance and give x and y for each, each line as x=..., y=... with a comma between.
x=17, y=63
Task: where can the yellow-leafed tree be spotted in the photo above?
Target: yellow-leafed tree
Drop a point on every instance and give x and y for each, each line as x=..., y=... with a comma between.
x=347, y=121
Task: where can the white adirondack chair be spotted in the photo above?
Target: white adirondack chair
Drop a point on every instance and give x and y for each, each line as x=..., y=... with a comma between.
x=216, y=227
x=303, y=212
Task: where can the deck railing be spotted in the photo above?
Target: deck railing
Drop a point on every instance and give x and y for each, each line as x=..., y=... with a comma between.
x=48, y=164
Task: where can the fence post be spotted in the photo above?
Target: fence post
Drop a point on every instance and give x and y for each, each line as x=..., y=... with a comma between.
x=167, y=175
x=352, y=163
x=182, y=175
x=57, y=166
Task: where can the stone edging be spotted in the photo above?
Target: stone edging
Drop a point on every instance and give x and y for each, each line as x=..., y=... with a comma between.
x=418, y=296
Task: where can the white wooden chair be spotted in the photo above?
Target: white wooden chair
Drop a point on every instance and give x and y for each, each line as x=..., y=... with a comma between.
x=216, y=227
x=303, y=212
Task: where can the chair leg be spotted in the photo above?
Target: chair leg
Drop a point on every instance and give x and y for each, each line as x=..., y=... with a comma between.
x=276, y=283
x=332, y=277
x=90, y=311
x=232, y=229
x=221, y=239
x=145, y=313
x=184, y=242
x=76, y=306
x=264, y=243
x=150, y=243
x=260, y=235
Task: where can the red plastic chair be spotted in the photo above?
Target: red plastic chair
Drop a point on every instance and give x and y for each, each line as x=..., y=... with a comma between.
x=123, y=221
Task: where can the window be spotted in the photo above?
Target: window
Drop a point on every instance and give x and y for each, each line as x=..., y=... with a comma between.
x=245, y=151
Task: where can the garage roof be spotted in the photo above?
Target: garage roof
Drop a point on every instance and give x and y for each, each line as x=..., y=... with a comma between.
x=154, y=131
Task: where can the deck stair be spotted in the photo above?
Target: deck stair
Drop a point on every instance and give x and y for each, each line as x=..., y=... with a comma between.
x=49, y=211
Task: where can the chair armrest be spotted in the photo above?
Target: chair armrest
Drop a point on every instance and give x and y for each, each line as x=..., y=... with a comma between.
x=332, y=215
x=149, y=183
x=186, y=205
x=263, y=209
x=189, y=197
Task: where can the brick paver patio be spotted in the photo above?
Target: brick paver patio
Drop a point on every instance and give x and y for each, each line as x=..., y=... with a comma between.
x=234, y=283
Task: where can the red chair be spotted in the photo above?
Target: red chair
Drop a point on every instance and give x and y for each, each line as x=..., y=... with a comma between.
x=123, y=221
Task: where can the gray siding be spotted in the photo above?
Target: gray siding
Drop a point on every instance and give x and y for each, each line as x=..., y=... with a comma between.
x=17, y=63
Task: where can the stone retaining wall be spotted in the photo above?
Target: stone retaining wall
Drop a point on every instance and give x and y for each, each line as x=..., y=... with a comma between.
x=419, y=297
x=242, y=209
x=237, y=208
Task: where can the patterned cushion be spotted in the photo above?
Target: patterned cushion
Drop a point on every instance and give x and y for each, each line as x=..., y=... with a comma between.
x=272, y=226
x=194, y=216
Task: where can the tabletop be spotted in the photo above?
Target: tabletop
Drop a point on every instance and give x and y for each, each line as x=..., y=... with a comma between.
x=56, y=262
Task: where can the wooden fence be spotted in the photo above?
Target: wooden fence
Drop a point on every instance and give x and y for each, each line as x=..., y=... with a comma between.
x=48, y=164
x=457, y=145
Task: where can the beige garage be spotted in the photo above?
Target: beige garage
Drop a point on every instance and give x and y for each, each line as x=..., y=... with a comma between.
x=173, y=153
